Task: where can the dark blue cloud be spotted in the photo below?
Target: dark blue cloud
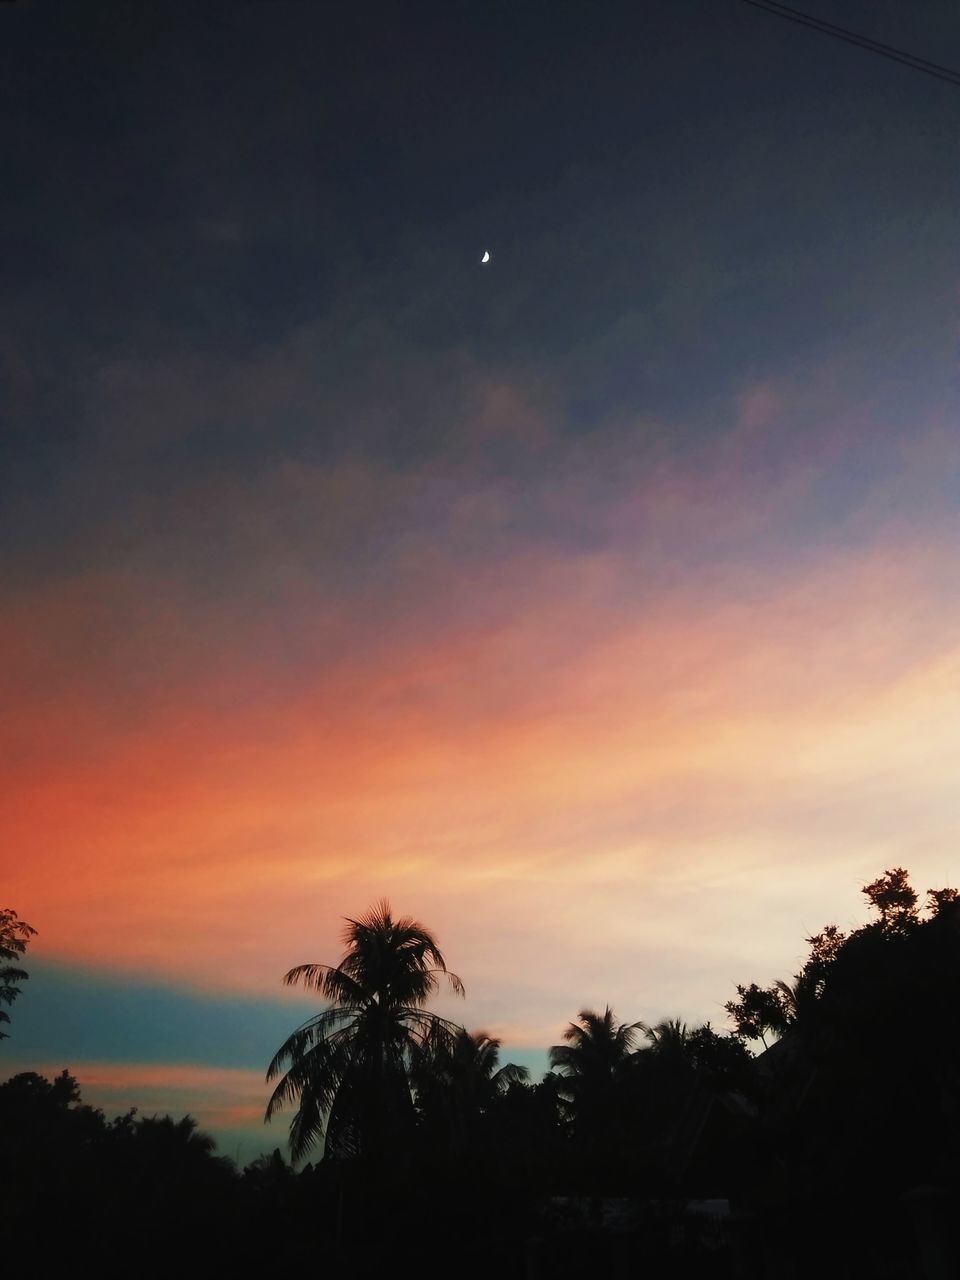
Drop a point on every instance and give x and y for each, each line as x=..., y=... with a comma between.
x=676, y=194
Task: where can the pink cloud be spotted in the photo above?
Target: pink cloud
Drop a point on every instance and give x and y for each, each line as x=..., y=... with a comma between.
x=617, y=744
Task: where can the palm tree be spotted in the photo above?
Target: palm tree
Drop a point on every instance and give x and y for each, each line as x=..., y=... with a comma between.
x=597, y=1048
x=458, y=1080
x=347, y=1067
x=669, y=1040
x=597, y=1081
x=594, y=1059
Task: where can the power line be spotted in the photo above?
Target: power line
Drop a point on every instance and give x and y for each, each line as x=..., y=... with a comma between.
x=862, y=42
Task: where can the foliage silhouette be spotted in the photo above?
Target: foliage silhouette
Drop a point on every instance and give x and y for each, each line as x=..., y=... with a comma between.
x=595, y=1070
x=596, y=1052
x=458, y=1080
x=669, y=1040
x=14, y=936
x=759, y=1012
x=160, y=1177
x=848, y=1123
x=347, y=1068
x=894, y=899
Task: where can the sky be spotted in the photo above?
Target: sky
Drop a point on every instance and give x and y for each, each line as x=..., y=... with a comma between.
x=597, y=605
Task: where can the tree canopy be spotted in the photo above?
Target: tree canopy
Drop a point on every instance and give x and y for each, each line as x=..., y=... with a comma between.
x=14, y=936
x=347, y=1068
x=834, y=1096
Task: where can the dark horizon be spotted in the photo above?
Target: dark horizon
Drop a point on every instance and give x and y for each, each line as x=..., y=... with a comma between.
x=670, y=1139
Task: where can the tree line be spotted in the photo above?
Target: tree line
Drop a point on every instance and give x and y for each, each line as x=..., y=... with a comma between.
x=833, y=1098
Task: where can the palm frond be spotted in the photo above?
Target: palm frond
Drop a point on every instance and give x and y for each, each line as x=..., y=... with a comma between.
x=306, y=975
x=341, y=988
x=510, y=1073
x=318, y=1074
x=669, y=1032
x=424, y=1027
x=563, y=1057
x=319, y=1029
x=327, y=980
x=306, y=1127
x=456, y=983
x=789, y=993
x=400, y=959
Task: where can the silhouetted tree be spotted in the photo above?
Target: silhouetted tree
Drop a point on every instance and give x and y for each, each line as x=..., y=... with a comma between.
x=941, y=901
x=347, y=1068
x=772, y=1011
x=64, y=1161
x=596, y=1051
x=847, y=1078
x=269, y=1172
x=14, y=936
x=48, y=1140
x=844, y=1116
x=758, y=1012
x=722, y=1061
x=894, y=900
x=527, y=1126
x=164, y=1137
x=669, y=1040
x=596, y=1069
x=824, y=949
x=457, y=1079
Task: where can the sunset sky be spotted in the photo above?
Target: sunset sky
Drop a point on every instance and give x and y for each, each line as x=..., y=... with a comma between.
x=599, y=606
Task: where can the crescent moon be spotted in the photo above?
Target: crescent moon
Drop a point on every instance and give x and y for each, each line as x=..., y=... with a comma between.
x=486, y=256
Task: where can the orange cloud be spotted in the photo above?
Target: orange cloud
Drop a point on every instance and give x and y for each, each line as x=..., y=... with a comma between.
x=600, y=773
